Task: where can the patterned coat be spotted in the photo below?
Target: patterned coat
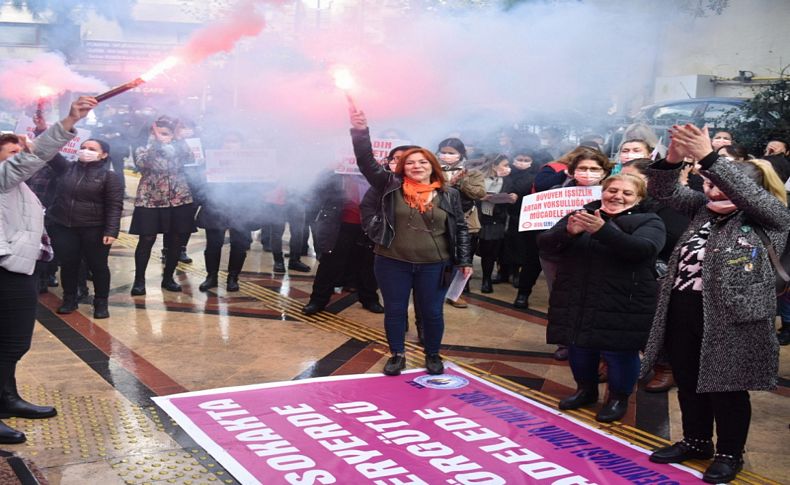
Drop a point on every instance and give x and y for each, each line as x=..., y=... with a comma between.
x=739, y=347
x=163, y=182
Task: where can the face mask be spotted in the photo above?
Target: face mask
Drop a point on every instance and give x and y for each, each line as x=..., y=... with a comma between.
x=449, y=157
x=587, y=178
x=503, y=171
x=87, y=155
x=626, y=157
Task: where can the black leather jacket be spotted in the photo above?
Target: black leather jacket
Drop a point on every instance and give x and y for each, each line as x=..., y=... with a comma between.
x=378, y=206
x=87, y=195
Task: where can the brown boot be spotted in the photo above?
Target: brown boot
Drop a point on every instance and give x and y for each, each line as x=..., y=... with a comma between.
x=662, y=381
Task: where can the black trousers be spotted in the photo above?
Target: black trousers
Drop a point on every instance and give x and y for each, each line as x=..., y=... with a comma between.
x=730, y=411
x=530, y=270
x=18, y=299
x=351, y=254
x=488, y=249
x=239, y=244
x=294, y=215
x=72, y=244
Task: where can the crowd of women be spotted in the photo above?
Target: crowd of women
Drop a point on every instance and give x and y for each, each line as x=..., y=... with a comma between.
x=670, y=272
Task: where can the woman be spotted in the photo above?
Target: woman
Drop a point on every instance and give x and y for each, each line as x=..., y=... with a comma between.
x=84, y=220
x=493, y=211
x=21, y=242
x=453, y=159
x=226, y=208
x=604, y=296
x=516, y=245
x=419, y=231
x=716, y=307
x=164, y=202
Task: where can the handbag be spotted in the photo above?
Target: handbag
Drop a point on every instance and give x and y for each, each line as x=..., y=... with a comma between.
x=781, y=264
x=472, y=220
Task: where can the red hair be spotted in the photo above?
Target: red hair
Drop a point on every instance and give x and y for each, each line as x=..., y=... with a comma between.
x=437, y=175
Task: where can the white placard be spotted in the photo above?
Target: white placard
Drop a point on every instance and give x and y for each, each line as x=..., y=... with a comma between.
x=250, y=166
x=457, y=285
x=196, y=146
x=25, y=126
x=381, y=148
x=69, y=151
x=542, y=210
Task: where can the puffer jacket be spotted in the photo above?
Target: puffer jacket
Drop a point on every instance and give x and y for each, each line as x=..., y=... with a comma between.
x=164, y=180
x=87, y=195
x=739, y=346
x=605, y=292
x=21, y=213
x=378, y=205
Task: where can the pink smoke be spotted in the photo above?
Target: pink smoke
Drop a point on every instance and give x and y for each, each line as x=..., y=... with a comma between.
x=244, y=21
x=25, y=82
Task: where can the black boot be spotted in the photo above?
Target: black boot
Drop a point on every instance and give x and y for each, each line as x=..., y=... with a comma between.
x=10, y=436
x=83, y=294
x=522, y=300
x=686, y=449
x=69, y=305
x=169, y=284
x=183, y=257
x=100, y=309
x=279, y=263
x=210, y=282
x=584, y=395
x=614, y=409
x=138, y=287
x=12, y=404
x=211, y=256
x=297, y=265
x=723, y=469
x=486, y=286
x=235, y=264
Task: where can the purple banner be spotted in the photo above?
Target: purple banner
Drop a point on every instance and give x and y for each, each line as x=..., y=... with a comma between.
x=411, y=429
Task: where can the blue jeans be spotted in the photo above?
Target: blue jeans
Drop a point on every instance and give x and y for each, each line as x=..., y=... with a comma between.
x=623, y=368
x=396, y=280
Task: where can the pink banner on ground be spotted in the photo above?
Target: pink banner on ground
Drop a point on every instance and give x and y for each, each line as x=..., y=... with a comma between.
x=452, y=429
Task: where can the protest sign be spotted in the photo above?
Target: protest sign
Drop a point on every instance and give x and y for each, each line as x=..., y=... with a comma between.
x=196, y=146
x=69, y=151
x=25, y=126
x=381, y=148
x=410, y=429
x=251, y=166
x=542, y=210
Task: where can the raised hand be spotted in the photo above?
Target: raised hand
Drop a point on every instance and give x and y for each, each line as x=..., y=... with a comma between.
x=358, y=119
x=79, y=110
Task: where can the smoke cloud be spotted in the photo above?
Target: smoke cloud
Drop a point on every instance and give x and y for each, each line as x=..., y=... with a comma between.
x=25, y=82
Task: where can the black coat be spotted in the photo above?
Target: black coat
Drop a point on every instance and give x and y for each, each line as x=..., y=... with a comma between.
x=516, y=245
x=87, y=195
x=378, y=207
x=330, y=200
x=604, y=296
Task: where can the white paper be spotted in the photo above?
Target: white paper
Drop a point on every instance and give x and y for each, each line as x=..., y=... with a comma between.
x=457, y=285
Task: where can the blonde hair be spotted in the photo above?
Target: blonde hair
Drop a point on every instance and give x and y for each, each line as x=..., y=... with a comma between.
x=638, y=182
x=770, y=180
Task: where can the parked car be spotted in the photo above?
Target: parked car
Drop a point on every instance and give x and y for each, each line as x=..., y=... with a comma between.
x=661, y=116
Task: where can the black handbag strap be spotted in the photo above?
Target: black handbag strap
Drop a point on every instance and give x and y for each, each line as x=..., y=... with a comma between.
x=772, y=255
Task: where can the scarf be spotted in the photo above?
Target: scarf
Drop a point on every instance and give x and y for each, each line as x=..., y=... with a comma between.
x=722, y=207
x=417, y=195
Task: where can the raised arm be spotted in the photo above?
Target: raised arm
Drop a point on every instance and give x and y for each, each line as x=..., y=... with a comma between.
x=363, y=151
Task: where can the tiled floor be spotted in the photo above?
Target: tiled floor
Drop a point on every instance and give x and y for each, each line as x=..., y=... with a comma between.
x=101, y=374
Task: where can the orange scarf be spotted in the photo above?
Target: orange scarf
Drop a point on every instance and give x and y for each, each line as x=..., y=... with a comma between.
x=417, y=195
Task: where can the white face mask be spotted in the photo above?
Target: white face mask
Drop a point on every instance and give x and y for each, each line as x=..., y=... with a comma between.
x=587, y=178
x=84, y=155
x=450, y=157
x=502, y=171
